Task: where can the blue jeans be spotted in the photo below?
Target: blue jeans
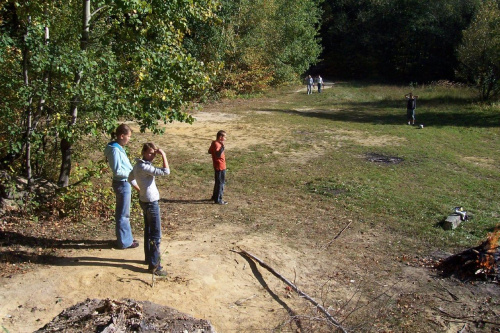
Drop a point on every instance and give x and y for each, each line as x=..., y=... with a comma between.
x=123, y=192
x=410, y=114
x=220, y=180
x=152, y=233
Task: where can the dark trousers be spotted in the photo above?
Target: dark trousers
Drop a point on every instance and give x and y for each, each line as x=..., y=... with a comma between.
x=152, y=233
x=220, y=180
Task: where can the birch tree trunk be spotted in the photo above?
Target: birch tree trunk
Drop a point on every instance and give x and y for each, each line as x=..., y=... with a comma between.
x=29, y=112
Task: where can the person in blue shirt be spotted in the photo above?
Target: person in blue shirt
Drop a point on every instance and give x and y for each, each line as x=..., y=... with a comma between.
x=121, y=168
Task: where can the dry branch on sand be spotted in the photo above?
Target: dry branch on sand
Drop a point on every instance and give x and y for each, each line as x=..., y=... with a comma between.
x=329, y=317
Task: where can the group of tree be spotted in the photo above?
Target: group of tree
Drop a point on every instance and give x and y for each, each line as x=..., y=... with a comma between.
x=72, y=69
x=413, y=40
x=259, y=43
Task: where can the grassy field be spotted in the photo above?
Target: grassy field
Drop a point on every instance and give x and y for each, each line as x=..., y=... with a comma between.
x=303, y=167
x=300, y=169
x=317, y=153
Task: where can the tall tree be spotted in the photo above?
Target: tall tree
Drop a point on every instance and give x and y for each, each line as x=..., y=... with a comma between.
x=411, y=40
x=479, y=53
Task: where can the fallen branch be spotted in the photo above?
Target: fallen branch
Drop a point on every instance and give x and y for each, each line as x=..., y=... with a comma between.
x=455, y=297
x=473, y=319
x=338, y=235
x=291, y=285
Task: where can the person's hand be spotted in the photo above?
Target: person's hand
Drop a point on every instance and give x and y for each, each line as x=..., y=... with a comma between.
x=160, y=151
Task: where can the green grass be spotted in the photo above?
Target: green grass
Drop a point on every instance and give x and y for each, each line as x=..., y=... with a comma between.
x=452, y=161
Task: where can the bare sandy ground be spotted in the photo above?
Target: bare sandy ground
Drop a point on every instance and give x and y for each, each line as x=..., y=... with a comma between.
x=208, y=280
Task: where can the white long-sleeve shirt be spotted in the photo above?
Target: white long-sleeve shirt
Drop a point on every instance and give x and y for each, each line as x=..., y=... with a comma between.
x=144, y=173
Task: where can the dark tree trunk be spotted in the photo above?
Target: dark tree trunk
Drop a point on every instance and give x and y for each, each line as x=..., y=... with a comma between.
x=67, y=145
x=66, y=150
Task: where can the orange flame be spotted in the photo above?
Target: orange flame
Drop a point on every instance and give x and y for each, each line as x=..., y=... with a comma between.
x=486, y=260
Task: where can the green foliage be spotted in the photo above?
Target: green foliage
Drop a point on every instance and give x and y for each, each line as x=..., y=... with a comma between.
x=479, y=52
x=132, y=65
x=90, y=198
x=257, y=44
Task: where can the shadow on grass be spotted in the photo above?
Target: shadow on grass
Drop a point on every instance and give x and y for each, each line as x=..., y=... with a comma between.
x=188, y=201
x=375, y=112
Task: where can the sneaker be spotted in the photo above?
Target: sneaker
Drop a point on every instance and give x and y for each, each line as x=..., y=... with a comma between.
x=134, y=245
x=222, y=203
x=158, y=272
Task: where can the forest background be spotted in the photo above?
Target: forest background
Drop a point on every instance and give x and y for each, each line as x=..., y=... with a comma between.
x=69, y=70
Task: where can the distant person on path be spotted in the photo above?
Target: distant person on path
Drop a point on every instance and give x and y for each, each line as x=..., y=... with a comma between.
x=219, y=162
x=310, y=83
x=411, y=105
x=320, y=83
x=121, y=167
x=144, y=173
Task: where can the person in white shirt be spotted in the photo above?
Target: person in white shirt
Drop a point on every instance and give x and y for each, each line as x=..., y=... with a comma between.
x=320, y=83
x=310, y=83
x=144, y=173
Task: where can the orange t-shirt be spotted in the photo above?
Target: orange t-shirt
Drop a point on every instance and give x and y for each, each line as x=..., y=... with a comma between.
x=219, y=161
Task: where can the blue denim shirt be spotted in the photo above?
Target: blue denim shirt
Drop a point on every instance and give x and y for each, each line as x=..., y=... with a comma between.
x=118, y=161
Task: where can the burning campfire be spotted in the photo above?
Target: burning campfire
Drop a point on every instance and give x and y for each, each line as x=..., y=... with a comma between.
x=480, y=262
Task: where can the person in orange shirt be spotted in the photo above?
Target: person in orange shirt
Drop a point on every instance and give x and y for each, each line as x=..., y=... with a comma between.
x=219, y=161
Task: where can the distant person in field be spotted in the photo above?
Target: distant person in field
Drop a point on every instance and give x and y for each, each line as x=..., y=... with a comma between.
x=411, y=105
x=320, y=83
x=219, y=162
x=121, y=167
x=144, y=173
x=310, y=83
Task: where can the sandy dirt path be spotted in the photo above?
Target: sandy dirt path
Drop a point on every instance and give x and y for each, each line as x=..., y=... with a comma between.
x=206, y=280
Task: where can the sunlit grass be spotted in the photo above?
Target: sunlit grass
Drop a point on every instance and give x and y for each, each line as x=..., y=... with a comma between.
x=315, y=173
x=452, y=161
